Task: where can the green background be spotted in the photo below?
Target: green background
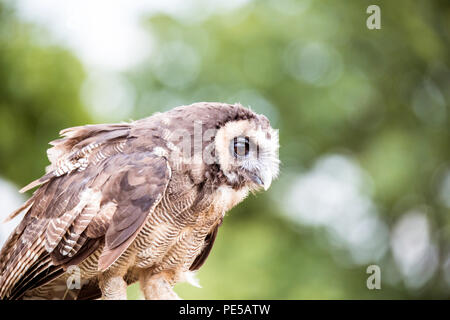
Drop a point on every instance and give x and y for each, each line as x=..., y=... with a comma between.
x=362, y=112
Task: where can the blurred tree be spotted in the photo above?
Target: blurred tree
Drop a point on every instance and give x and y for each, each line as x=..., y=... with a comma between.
x=39, y=95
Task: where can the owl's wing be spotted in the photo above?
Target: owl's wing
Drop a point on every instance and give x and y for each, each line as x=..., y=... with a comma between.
x=99, y=186
x=137, y=191
x=206, y=250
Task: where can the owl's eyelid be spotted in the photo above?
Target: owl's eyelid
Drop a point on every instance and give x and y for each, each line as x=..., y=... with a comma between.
x=241, y=139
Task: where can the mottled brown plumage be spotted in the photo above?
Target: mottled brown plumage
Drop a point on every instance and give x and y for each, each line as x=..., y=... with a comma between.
x=135, y=201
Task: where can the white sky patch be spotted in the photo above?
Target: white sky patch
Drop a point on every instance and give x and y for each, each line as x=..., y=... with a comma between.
x=109, y=37
x=104, y=34
x=335, y=194
x=109, y=34
x=414, y=252
x=10, y=200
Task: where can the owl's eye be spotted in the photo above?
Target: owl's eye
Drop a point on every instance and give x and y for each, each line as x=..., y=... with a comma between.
x=241, y=147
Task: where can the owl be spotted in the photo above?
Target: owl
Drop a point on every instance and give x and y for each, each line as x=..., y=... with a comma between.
x=135, y=202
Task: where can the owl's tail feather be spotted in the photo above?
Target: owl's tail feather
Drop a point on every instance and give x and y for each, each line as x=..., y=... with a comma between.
x=58, y=289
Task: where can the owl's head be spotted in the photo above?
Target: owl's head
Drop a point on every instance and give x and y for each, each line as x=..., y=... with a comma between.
x=247, y=152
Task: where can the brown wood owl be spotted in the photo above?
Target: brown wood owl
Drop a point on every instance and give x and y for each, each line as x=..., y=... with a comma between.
x=139, y=201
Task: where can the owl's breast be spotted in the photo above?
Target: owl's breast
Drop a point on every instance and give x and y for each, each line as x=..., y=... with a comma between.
x=226, y=198
x=174, y=234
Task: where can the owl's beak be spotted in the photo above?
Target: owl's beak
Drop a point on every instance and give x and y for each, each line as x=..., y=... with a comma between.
x=263, y=179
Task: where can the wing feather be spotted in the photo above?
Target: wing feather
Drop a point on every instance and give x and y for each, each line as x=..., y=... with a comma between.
x=76, y=150
x=134, y=203
x=74, y=211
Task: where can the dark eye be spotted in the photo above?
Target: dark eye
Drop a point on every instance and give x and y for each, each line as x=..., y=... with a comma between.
x=241, y=147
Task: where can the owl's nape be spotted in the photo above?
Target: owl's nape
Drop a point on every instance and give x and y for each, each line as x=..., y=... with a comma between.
x=120, y=203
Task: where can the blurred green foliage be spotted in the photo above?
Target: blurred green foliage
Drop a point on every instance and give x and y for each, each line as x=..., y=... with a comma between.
x=39, y=95
x=327, y=82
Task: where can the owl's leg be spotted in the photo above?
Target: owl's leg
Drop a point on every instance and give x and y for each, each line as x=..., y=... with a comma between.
x=158, y=286
x=113, y=287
